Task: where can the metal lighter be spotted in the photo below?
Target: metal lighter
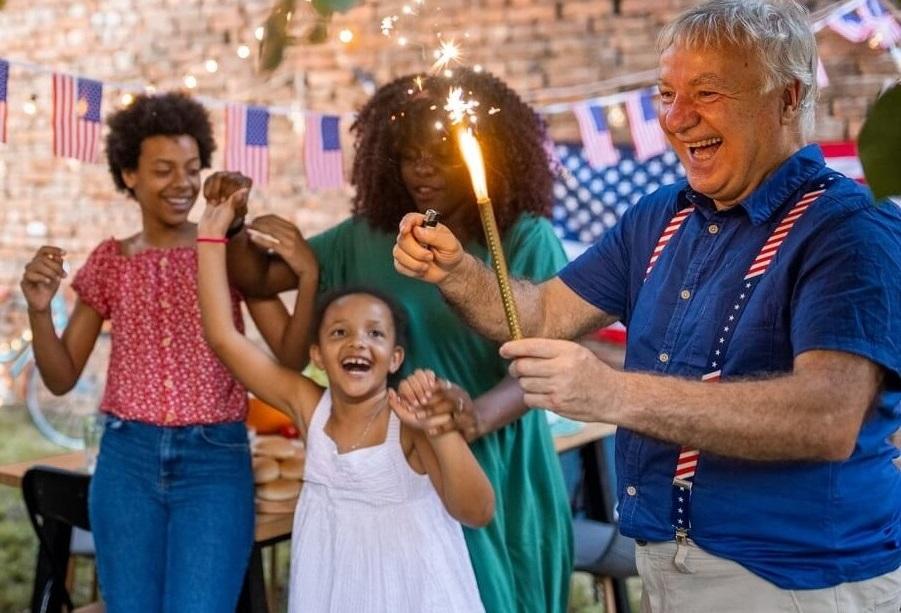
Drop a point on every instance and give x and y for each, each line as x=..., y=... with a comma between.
x=431, y=218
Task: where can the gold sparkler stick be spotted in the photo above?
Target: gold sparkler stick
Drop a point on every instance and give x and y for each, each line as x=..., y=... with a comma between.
x=472, y=155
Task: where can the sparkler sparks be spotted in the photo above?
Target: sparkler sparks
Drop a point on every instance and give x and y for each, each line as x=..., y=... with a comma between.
x=388, y=25
x=446, y=53
x=457, y=107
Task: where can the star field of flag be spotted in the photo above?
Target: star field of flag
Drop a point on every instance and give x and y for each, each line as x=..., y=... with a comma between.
x=589, y=201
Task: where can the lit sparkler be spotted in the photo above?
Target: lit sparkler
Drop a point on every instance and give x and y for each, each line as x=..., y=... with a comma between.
x=472, y=155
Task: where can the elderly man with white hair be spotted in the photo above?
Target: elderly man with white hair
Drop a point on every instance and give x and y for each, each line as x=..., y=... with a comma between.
x=762, y=297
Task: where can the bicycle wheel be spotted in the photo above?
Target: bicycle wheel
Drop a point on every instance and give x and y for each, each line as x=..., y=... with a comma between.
x=61, y=419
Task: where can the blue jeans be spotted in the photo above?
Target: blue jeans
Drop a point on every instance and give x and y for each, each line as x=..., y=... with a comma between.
x=172, y=515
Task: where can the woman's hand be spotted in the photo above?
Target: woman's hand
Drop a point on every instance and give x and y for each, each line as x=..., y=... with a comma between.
x=283, y=238
x=220, y=185
x=42, y=277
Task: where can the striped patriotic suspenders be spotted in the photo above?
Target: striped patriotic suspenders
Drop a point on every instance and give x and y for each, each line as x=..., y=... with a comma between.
x=687, y=462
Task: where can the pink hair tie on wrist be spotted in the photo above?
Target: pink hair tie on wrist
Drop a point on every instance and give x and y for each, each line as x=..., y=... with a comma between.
x=221, y=240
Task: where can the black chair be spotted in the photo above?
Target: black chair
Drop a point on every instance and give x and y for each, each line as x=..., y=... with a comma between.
x=57, y=501
x=600, y=549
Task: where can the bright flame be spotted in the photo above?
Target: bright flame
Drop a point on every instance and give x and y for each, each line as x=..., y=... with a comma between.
x=472, y=155
x=448, y=52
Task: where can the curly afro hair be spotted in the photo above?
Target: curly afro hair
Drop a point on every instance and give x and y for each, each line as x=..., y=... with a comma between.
x=400, y=113
x=169, y=114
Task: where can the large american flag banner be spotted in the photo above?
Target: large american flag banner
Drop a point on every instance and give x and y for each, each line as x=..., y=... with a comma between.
x=76, y=117
x=647, y=136
x=596, y=137
x=247, y=142
x=588, y=201
x=322, y=151
x=4, y=81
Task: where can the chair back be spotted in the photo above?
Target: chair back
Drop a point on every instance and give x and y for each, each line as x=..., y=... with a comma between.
x=56, y=500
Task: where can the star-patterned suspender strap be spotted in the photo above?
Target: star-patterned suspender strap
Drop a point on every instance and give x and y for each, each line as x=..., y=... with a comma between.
x=687, y=462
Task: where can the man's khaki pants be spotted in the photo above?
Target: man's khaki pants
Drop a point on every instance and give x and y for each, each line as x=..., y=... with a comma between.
x=716, y=585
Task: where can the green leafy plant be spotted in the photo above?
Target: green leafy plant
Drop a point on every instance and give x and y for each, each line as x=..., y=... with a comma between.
x=879, y=144
x=283, y=21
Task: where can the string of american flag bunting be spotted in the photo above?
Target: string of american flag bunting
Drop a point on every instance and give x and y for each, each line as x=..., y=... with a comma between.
x=599, y=179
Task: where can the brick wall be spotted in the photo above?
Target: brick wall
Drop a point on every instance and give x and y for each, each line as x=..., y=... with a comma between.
x=550, y=51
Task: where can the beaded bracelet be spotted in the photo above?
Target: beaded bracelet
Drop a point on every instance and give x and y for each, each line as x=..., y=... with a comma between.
x=221, y=240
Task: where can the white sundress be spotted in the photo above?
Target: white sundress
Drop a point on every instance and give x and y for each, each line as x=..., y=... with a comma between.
x=372, y=536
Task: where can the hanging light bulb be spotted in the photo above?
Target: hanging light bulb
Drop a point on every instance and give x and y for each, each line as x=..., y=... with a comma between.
x=211, y=65
x=345, y=36
x=243, y=52
x=190, y=81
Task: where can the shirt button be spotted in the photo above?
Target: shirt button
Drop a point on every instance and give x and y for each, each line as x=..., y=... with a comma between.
x=170, y=417
x=685, y=294
x=631, y=490
x=167, y=341
x=663, y=357
x=168, y=384
x=713, y=228
x=164, y=304
x=164, y=262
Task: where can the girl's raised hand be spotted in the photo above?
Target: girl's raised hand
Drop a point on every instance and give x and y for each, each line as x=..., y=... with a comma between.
x=217, y=218
x=42, y=276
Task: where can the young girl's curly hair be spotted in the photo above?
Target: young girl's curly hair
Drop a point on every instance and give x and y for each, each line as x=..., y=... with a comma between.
x=400, y=113
x=169, y=114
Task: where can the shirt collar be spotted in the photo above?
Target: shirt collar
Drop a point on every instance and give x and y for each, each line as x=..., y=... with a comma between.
x=770, y=195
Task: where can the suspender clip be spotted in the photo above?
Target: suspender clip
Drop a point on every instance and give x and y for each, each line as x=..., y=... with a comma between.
x=683, y=483
x=680, y=560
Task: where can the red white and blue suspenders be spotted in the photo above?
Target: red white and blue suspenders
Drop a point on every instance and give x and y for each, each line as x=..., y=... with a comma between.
x=687, y=462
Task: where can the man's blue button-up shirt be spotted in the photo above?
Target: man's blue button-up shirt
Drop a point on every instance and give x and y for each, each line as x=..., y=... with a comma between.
x=834, y=284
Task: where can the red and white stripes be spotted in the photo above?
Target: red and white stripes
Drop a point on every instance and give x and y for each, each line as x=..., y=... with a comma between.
x=763, y=259
x=671, y=229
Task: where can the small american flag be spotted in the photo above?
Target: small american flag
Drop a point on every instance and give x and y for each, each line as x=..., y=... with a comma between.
x=646, y=133
x=76, y=117
x=4, y=80
x=595, y=135
x=882, y=23
x=322, y=152
x=822, y=77
x=247, y=142
x=852, y=24
x=842, y=156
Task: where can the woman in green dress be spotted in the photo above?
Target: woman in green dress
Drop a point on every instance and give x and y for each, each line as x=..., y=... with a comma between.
x=405, y=162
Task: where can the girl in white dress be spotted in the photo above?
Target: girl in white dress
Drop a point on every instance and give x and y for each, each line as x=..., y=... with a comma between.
x=376, y=527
